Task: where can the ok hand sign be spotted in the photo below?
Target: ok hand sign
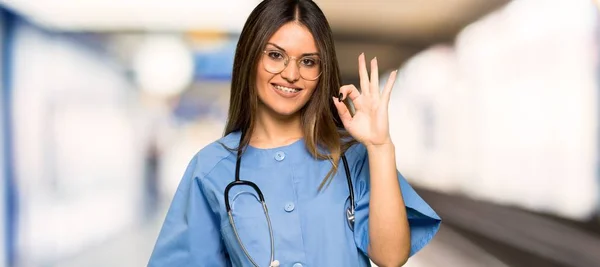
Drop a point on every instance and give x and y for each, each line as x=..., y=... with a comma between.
x=370, y=123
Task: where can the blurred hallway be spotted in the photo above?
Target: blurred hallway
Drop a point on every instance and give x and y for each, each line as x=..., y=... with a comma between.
x=495, y=118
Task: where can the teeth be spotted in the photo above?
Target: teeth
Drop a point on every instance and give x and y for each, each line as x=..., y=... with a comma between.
x=286, y=89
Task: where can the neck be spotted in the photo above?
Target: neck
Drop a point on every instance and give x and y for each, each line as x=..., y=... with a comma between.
x=271, y=130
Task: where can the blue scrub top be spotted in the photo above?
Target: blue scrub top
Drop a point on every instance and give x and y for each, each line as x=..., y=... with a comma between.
x=310, y=227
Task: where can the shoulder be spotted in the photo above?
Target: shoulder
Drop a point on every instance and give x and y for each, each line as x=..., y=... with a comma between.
x=357, y=158
x=357, y=152
x=210, y=156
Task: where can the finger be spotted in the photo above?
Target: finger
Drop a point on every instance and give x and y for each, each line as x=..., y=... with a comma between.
x=350, y=91
x=387, y=90
x=363, y=74
x=374, y=79
x=343, y=111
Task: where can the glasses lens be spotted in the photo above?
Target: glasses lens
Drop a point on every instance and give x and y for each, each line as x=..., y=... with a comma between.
x=310, y=68
x=274, y=61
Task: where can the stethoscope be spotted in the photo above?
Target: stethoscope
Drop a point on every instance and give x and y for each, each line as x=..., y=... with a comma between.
x=273, y=262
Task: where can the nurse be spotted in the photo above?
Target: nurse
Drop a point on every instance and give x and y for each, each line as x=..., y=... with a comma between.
x=332, y=194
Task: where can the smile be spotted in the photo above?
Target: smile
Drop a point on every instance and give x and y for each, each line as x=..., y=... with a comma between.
x=286, y=92
x=287, y=89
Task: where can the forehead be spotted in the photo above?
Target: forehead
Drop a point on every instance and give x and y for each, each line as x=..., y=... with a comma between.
x=294, y=38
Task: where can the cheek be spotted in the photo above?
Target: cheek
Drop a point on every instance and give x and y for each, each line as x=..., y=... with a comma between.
x=311, y=87
x=262, y=80
x=261, y=77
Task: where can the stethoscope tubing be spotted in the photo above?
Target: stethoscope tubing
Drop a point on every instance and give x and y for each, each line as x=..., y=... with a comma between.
x=238, y=181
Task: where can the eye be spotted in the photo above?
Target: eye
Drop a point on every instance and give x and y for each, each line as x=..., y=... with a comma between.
x=309, y=62
x=275, y=55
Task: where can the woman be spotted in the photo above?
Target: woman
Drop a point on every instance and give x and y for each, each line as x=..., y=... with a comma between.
x=289, y=133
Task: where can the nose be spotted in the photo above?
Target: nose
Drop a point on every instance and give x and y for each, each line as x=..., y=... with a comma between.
x=291, y=73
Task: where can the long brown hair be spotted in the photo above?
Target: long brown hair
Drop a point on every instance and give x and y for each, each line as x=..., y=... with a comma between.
x=321, y=123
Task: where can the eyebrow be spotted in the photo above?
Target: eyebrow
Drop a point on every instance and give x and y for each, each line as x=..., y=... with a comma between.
x=303, y=55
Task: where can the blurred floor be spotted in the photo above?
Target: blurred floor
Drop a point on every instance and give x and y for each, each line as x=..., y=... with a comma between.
x=133, y=248
x=449, y=248
x=518, y=237
x=456, y=244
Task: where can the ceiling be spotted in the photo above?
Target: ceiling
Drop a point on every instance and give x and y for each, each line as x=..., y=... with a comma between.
x=392, y=30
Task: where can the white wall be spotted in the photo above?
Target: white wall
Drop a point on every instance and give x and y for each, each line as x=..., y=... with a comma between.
x=79, y=162
x=509, y=113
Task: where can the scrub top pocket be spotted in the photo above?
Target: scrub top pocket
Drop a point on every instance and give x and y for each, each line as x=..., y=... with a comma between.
x=252, y=229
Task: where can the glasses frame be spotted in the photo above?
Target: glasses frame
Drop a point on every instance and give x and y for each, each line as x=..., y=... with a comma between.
x=286, y=61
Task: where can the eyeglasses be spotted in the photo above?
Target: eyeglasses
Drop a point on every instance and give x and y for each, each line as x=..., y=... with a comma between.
x=275, y=61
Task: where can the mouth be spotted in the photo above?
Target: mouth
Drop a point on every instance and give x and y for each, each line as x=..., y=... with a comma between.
x=286, y=91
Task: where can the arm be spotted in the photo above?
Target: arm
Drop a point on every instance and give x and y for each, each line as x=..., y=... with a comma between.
x=388, y=224
x=392, y=221
x=190, y=235
x=370, y=233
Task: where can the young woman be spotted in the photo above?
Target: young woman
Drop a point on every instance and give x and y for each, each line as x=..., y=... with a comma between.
x=298, y=179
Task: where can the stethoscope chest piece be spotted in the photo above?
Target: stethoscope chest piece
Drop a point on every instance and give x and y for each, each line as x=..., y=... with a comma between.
x=350, y=217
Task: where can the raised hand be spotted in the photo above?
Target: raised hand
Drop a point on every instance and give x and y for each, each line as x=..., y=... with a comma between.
x=370, y=123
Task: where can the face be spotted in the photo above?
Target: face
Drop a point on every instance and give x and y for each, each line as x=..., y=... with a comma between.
x=284, y=92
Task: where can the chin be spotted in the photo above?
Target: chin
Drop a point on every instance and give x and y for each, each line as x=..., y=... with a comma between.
x=281, y=107
x=281, y=110
x=286, y=111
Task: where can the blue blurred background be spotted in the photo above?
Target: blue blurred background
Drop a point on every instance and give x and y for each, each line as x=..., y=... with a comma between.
x=494, y=115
